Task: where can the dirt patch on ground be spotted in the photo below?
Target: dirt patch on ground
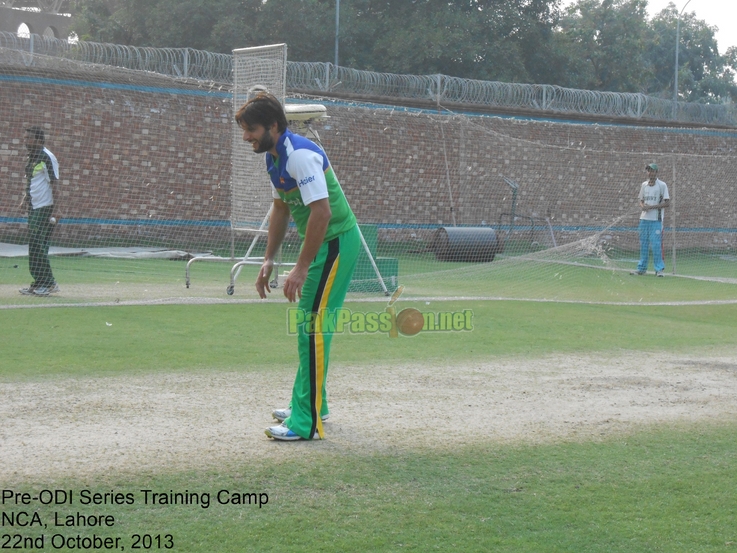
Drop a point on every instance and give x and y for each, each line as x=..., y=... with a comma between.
x=189, y=421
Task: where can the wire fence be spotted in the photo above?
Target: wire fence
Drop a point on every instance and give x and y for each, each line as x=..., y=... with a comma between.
x=327, y=78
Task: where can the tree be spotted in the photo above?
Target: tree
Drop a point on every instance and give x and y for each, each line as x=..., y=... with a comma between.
x=306, y=26
x=514, y=40
x=593, y=44
x=610, y=45
x=201, y=24
x=415, y=37
x=102, y=21
x=604, y=45
x=112, y=21
x=703, y=74
x=479, y=39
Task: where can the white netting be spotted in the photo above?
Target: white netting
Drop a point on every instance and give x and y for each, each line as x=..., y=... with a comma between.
x=146, y=174
x=254, y=70
x=553, y=204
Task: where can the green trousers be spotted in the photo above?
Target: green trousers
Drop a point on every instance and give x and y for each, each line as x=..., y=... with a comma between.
x=324, y=291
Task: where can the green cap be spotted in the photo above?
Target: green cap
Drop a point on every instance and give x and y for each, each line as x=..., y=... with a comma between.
x=652, y=166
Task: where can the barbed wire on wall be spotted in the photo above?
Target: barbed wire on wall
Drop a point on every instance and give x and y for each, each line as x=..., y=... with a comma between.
x=327, y=78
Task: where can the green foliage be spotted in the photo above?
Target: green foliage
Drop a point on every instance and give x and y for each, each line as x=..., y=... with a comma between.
x=607, y=39
x=481, y=39
x=610, y=45
x=200, y=24
x=306, y=26
x=595, y=44
x=703, y=75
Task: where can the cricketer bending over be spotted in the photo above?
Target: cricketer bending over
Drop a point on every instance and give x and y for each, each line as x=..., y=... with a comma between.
x=305, y=187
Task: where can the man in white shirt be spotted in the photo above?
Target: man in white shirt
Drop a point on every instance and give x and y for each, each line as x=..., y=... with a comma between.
x=42, y=175
x=654, y=198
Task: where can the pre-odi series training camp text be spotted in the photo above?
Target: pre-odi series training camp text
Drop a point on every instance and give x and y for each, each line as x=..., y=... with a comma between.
x=67, y=519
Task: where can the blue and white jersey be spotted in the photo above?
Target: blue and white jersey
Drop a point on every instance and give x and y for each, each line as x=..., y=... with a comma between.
x=301, y=174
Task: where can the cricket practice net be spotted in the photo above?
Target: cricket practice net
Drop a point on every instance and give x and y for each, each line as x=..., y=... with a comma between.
x=154, y=173
x=254, y=70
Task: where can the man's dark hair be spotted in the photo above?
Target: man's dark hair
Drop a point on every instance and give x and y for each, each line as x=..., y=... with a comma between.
x=265, y=110
x=37, y=132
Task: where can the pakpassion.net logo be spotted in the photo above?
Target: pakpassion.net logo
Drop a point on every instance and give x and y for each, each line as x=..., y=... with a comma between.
x=408, y=321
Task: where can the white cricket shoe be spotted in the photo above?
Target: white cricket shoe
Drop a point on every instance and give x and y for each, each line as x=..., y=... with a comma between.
x=283, y=414
x=283, y=433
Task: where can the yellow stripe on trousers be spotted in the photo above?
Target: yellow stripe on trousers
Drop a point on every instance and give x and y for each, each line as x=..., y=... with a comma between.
x=320, y=346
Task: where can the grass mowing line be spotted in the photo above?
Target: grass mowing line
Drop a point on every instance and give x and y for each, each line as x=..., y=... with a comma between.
x=662, y=489
x=112, y=340
x=91, y=280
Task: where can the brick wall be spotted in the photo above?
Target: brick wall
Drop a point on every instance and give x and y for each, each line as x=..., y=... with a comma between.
x=406, y=168
x=146, y=160
x=131, y=154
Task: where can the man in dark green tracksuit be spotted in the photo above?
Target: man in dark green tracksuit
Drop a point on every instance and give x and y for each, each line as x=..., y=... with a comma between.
x=42, y=177
x=305, y=187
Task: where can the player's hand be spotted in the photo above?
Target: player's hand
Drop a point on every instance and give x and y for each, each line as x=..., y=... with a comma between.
x=262, y=282
x=294, y=282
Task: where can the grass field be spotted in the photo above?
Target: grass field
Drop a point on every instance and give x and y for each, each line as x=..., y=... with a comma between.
x=703, y=278
x=659, y=490
x=648, y=487
x=78, y=341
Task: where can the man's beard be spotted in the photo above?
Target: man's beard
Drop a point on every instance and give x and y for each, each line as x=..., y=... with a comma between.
x=265, y=143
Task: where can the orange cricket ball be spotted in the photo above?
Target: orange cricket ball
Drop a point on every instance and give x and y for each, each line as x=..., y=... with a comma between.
x=410, y=321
